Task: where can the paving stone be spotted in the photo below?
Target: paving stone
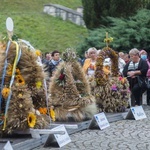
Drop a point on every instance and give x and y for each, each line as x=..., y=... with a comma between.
x=121, y=135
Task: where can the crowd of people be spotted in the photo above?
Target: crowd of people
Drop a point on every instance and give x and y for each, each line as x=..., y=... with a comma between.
x=135, y=66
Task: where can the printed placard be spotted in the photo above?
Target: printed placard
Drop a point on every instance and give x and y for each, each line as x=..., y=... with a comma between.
x=138, y=112
x=8, y=146
x=62, y=139
x=101, y=120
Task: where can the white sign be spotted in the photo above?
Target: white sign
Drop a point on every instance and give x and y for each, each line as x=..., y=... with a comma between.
x=138, y=112
x=8, y=146
x=62, y=139
x=101, y=120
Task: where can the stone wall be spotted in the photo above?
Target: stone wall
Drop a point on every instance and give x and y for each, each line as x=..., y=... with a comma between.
x=64, y=13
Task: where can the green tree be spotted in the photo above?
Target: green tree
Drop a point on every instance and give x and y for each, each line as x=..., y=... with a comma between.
x=96, y=10
x=127, y=33
x=93, y=11
x=89, y=11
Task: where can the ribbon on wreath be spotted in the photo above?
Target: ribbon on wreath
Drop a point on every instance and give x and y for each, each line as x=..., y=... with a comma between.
x=17, y=58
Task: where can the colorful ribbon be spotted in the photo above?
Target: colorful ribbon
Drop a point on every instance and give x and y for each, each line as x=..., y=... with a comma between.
x=18, y=54
x=3, y=75
x=4, y=72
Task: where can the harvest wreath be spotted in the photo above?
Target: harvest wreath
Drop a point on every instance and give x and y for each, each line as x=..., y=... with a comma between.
x=22, y=86
x=111, y=90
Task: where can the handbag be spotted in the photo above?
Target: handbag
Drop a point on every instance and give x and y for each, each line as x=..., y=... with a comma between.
x=141, y=82
x=148, y=83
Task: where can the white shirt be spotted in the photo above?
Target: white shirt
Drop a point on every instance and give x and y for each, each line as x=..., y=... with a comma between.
x=90, y=71
x=121, y=63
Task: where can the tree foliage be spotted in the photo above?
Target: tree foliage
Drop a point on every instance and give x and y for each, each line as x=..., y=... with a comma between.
x=127, y=33
x=95, y=10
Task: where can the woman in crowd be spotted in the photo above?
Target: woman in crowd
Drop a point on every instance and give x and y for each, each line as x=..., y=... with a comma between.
x=136, y=68
x=126, y=58
x=144, y=56
x=89, y=66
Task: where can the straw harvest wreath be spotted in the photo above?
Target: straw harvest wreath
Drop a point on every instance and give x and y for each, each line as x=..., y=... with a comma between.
x=23, y=97
x=70, y=92
x=111, y=91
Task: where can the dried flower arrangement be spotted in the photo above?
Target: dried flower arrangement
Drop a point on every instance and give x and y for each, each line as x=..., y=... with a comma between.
x=70, y=92
x=22, y=89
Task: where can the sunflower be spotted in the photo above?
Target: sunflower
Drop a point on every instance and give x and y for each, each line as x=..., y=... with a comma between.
x=43, y=110
x=5, y=92
x=52, y=113
x=38, y=84
x=20, y=80
x=38, y=52
x=31, y=120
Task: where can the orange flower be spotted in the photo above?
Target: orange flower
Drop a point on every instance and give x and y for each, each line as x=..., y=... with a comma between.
x=122, y=80
x=20, y=80
x=91, y=67
x=5, y=92
x=43, y=110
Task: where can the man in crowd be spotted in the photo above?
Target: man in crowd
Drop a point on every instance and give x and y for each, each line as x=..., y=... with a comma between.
x=52, y=64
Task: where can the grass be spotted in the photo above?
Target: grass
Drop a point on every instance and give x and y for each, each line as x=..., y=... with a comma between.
x=44, y=32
